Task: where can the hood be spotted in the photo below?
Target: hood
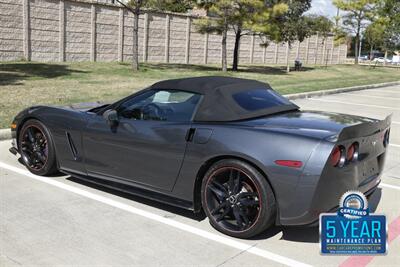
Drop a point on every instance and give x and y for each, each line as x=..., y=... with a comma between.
x=85, y=106
x=316, y=124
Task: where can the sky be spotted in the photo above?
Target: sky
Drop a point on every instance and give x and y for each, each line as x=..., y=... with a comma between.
x=323, y=7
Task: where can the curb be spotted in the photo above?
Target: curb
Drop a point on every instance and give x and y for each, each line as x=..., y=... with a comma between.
x=339, y=90
x=5, y=134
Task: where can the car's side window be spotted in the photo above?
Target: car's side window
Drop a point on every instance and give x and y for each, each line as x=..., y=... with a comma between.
x=160, y=105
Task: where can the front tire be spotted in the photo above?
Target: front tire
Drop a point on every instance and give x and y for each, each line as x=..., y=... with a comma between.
x=237, y=199
x=37, y=149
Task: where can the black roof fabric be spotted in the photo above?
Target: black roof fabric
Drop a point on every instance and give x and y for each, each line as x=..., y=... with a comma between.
x=218, y=104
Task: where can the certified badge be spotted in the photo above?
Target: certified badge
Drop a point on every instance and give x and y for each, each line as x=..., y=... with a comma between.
x=353, y=205
x=353, y=230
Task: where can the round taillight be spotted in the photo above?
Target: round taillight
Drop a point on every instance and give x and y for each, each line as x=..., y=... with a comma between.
x=335, y=156
x=338, y=157
x=352, y=152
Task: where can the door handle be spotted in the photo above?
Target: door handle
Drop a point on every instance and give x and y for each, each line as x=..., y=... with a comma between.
x=190, y=134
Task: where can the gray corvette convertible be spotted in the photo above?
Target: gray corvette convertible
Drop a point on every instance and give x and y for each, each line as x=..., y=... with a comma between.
x=234, y=148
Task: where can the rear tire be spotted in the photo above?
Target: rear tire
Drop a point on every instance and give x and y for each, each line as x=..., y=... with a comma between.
x=237, y=199
x=37, y=148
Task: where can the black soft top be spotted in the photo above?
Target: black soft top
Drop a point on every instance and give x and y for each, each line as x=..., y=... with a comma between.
x=218, y=103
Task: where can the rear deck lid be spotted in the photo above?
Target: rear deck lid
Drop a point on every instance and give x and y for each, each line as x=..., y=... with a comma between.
x=316, y=124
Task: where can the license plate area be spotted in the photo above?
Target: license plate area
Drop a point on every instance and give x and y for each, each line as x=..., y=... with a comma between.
x=370, y=167
x=369, y=171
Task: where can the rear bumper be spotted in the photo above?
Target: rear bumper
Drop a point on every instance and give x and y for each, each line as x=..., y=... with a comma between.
x=326, y=194
x=334, y=209
x=322, y=185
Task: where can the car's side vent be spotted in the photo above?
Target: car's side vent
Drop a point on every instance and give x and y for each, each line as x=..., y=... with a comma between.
x=72, y=146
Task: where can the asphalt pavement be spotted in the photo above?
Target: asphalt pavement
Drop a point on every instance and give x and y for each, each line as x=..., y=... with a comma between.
x=63, y=221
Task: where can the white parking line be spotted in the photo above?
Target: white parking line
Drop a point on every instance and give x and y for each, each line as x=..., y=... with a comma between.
x=371, y=96
x=395, y=122
x=389, y=186
x=394, y=145
x=184, y=227
x=349, y=103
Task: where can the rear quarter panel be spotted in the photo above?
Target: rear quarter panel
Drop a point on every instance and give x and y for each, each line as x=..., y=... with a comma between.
x=261, y=148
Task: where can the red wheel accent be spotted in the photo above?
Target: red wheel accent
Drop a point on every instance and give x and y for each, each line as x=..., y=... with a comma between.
x=233, y=199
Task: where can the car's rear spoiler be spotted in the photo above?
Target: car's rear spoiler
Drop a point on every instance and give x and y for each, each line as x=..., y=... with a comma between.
x=365, y=129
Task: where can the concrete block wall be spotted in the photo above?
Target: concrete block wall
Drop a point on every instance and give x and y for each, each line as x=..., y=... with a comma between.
x=11, y=30
x=44, y=30
x=177, y=39
x=77, y=31
x=83, y=30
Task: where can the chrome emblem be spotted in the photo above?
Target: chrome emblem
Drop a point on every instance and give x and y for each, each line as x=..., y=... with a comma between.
x=232, y=199
x=373, y=143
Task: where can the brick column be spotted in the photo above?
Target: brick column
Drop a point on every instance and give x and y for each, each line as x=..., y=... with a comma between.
x=93, y=34
x=187, y=47
x=205, y=48
x=26, y=30
x=121, y=36
x=342, y=51
x=61, y=52
x=145, y=36
x=307, y=47
x=287, y=52
x=264, y=54
x=167, y=36
x=298, y=50
x=338, y=54
x=252, y=49
x=332, y=48
x=316, y=51
x=276, y=53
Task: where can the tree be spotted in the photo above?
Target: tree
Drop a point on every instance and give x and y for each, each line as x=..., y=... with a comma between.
x=242, y=12
x=236, y=15
x=289, y=26
x=264, y=22
x=241, y=17
x=321, y=25
x=178, y=6
x=357, y=15
x=374, y=36
x=388, y=17
x=135, y=6
x=219, y=24
x=339, y=34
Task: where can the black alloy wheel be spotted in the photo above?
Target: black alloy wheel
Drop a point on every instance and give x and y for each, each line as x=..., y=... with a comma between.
x=237, y=199
x=36, y=148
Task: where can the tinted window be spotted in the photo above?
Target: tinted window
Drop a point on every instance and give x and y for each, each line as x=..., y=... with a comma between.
x=161, y=105
x=259, y=99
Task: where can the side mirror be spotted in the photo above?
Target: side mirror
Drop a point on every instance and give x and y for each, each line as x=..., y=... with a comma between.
x=111, y=116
